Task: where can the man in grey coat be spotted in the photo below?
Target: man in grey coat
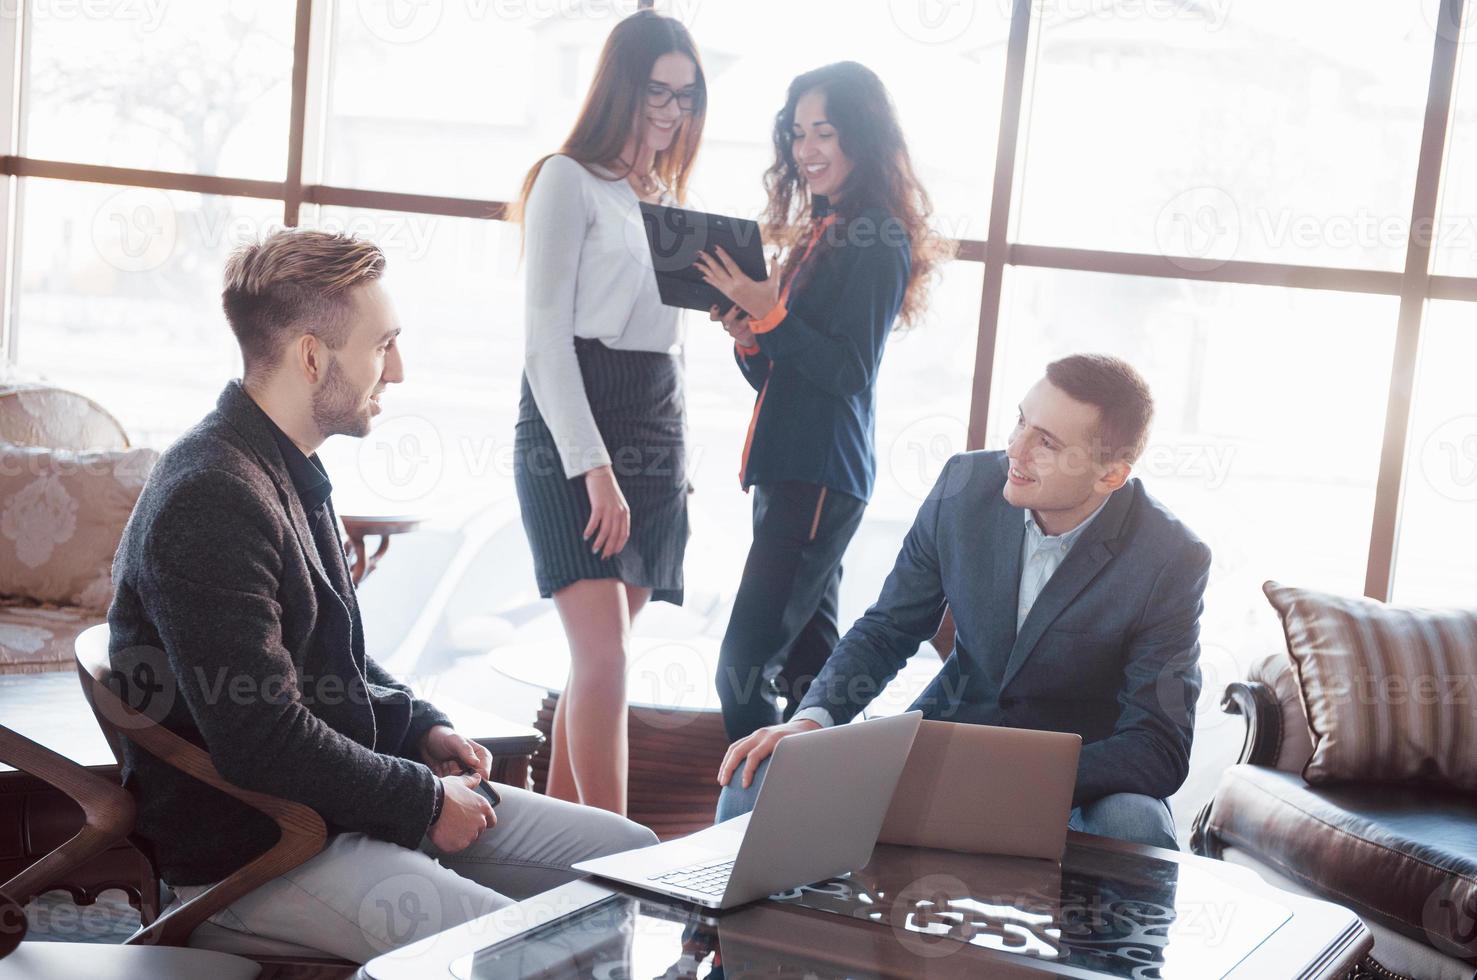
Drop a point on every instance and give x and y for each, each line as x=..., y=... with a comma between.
x=1076, y=599
x=233, y=595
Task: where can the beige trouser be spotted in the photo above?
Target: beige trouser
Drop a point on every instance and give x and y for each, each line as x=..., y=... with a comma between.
x=361, y=897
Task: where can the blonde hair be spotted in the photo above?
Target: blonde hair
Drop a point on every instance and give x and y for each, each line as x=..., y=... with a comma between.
x=291, y=283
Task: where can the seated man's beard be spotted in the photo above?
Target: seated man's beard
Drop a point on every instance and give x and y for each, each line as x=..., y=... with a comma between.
x=336, y=405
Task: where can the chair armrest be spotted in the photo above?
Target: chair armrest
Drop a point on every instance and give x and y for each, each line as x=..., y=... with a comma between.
x=302, y=830
x=1257, y=703
x=108, y=813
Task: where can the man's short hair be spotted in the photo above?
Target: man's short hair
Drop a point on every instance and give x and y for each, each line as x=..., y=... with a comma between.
x=1121, y=396
x=291, y=283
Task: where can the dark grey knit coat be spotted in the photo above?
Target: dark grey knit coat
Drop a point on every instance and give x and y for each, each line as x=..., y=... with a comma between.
x=227, y=626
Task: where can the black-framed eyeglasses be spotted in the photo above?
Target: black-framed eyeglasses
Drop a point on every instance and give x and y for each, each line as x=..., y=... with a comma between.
x=659, y=96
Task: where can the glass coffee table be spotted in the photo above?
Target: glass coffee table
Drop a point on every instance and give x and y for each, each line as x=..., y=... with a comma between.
x=1110, y=909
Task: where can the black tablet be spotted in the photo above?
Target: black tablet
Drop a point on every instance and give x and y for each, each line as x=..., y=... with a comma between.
x=676, y=236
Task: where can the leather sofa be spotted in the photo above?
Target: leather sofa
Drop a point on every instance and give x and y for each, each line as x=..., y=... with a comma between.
x=1403, y=857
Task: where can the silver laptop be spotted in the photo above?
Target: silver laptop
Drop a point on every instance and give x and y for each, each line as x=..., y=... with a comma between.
x=817, y=816
x=983, y=789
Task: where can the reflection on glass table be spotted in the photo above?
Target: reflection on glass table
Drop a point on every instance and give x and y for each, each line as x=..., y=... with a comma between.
x=1108, y=910
x=618, y=937
x=1112, y=915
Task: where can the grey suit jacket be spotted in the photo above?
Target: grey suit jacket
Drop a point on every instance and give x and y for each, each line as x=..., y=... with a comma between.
x=1110, y=649
x=227, y=628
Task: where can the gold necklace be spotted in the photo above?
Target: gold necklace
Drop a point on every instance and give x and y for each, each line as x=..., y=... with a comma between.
x=647, y=183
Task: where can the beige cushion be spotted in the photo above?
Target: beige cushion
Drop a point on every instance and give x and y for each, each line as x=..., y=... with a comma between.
x=40, y=415
x=1389, y=692
x=61, y=517
x=97, y=961
x=36, y=638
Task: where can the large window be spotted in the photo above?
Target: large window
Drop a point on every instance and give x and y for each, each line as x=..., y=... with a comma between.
x=1267, y=447
x=943, y=75
x=1239, y=198
x=1434, y=566
x=200, y=87
x=118, y=289
x=1256, y=130
x=456, y=99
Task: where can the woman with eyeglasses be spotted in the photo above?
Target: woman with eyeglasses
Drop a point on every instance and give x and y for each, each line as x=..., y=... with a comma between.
x=599, y=455
x=845, y=201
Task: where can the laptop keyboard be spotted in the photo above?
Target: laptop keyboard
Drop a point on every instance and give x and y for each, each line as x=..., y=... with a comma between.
x=710, y=879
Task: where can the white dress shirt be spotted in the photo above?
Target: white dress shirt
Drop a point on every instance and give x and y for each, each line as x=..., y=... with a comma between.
x=1041, y=555
x=588, y=273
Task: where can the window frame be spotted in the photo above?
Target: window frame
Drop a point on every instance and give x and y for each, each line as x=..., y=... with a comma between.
x=302, y=185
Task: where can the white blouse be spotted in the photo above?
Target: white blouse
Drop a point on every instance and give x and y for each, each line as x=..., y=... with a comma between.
x=588, y=273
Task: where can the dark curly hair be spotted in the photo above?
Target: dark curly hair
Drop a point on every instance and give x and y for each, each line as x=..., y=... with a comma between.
x=882, y=175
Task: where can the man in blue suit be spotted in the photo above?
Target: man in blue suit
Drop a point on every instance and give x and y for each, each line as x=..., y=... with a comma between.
x=1076, y=600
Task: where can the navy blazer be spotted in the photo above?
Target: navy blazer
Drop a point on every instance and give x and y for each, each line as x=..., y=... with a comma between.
x=816, y=369
x=1110, y=650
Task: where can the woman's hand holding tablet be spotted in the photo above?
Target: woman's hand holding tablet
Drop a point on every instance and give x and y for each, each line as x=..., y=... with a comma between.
x=756, y=297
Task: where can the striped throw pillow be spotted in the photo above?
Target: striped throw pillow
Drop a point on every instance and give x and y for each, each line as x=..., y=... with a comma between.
x=1390, y=692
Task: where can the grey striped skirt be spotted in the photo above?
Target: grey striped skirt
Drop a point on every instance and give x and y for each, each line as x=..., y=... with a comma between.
x=637, y=400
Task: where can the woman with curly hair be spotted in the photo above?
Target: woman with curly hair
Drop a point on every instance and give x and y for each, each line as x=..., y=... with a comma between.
x=847, y=206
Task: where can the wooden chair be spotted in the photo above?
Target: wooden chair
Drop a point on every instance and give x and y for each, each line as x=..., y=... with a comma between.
x=108, y=812
x=302, y=830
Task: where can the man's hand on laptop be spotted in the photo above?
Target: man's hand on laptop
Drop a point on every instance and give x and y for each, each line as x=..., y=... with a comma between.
x=756, y=748
x=465, y=813
x=448, y=753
